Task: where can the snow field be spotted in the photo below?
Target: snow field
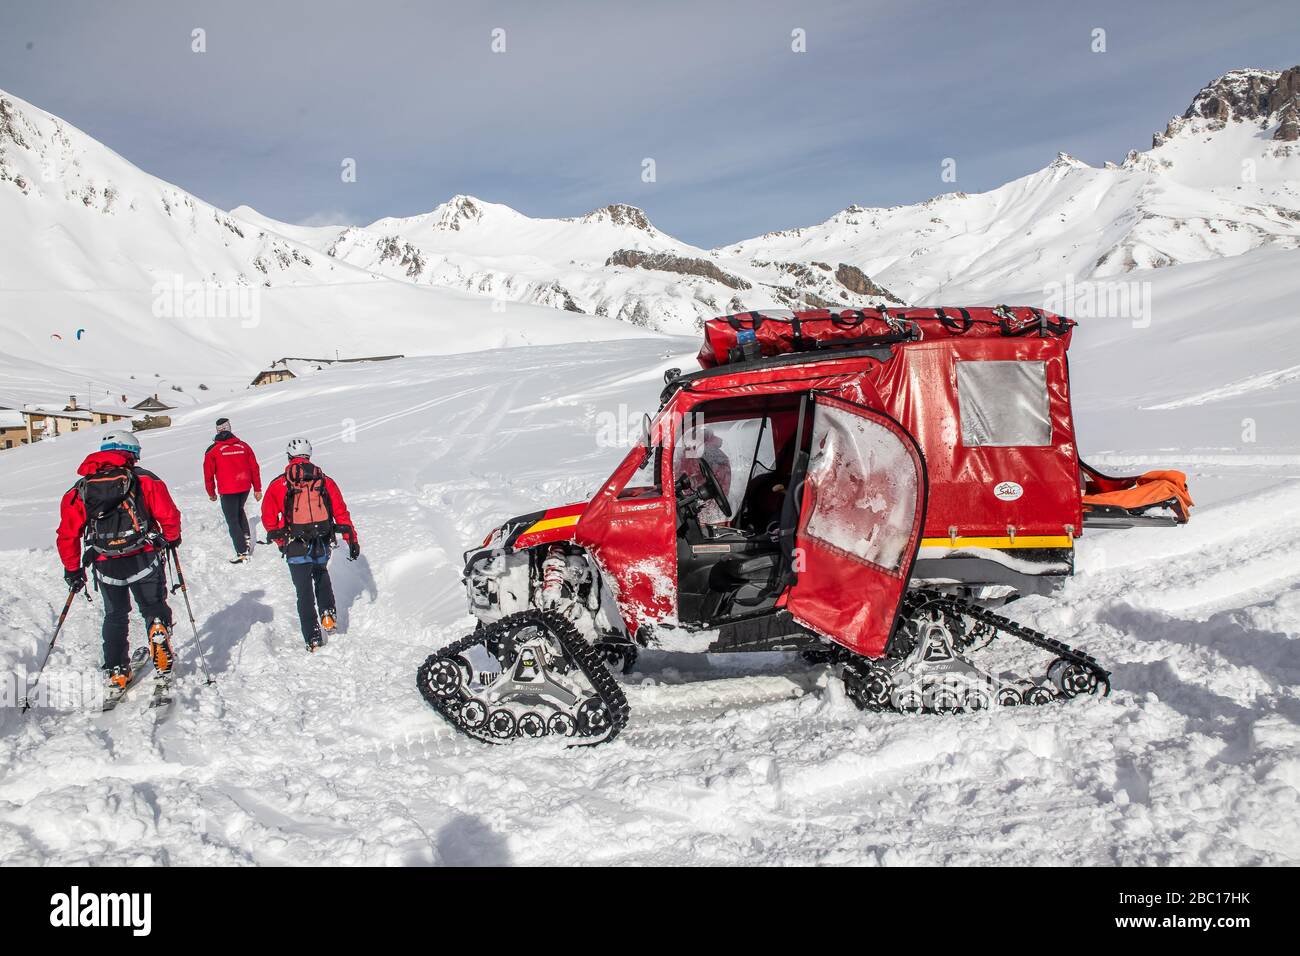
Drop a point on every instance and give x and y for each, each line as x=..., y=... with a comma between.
x=334, y=758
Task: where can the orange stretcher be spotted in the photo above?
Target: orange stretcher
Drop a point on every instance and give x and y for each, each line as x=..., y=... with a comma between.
x=1153, y=498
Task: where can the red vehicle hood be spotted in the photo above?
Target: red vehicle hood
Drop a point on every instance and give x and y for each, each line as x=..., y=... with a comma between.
x=540, y=527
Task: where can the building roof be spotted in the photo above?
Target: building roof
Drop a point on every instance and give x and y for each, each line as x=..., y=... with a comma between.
x=56, y=411
x=269, y=372
x=152, y=404
x=10, y=418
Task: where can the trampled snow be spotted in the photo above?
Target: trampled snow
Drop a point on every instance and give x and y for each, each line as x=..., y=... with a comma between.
x=336, y=759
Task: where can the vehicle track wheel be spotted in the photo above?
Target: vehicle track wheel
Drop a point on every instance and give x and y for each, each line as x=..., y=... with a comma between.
x=1009, y=697
x=562, y=725
x=473, y=714
x=878, y=689
x=445, y=678
x=531, y=724
x=502, y=724
x=945, y=700
x=910, y=701
x=1038, y=696
x=593, y=717
x=977, y=699
x=1072, y=678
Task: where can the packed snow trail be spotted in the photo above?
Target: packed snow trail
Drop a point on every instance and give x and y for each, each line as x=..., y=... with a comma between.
x=333, y=758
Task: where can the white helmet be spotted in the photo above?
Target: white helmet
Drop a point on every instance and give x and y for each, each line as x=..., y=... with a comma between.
x=299, y=448
x=120, y=441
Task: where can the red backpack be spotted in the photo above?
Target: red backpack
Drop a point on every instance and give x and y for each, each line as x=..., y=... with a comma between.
x=307, y=512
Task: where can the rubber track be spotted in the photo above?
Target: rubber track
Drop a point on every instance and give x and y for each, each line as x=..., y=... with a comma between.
x=1026, y=634
x=578, y=650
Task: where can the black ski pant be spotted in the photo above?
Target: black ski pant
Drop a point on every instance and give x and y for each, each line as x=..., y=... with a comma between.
x=149, y=592
x=311, y=579
x=232, y=506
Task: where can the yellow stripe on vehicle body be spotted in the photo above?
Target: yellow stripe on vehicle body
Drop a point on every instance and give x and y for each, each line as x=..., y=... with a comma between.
x=1020, y=541
x=547, y=524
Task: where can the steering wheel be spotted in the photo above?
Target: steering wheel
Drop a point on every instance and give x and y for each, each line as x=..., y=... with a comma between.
x=714, y=487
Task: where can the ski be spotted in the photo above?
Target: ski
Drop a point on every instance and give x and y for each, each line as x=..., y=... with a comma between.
x=162, y=692
x=140, y=663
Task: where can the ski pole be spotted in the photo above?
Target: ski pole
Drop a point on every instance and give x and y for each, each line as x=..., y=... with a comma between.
x=198, y=642
x=67, y=606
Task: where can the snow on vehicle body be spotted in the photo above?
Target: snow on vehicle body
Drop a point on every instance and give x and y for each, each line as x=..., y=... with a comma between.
x=863, y=485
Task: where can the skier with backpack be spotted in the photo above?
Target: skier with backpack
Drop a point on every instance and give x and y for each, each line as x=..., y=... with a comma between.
x=127, y=522
x=230, y=470
x=302, y=512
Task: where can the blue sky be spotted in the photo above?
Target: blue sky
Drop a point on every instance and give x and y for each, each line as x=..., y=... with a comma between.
x=747, y=136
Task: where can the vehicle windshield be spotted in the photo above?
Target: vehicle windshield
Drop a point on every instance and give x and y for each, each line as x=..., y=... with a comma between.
x=744, y=445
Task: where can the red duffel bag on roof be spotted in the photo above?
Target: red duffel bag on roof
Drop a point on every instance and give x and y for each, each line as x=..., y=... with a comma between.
x=768, y=332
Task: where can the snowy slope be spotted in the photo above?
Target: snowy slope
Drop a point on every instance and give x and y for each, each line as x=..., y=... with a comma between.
x=89, y=242
x=335, y=758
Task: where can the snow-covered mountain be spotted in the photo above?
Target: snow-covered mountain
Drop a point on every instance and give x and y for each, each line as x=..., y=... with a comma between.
x=1222, y=179
x=175, y=292
x=91, y=242
x=610, y=262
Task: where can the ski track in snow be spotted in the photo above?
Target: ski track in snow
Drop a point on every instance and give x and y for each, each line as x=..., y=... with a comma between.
x=335, y=759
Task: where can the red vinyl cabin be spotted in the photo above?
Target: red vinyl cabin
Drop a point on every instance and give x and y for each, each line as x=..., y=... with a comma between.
x=820, y=461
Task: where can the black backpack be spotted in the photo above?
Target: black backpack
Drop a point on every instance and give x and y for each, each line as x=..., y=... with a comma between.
x=117, y=518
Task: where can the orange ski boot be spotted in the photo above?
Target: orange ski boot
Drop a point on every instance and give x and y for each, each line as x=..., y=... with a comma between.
x=160, y=647
x=327, y=621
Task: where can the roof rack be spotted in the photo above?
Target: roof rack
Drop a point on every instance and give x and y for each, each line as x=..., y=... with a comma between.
x=675, y=379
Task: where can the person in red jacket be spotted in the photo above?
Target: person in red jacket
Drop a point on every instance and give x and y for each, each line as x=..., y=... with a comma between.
x=123, y=517
x=230, y=470
x=302, y=512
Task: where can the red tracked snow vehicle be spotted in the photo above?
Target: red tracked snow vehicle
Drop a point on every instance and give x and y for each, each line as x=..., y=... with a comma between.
x=860, y=485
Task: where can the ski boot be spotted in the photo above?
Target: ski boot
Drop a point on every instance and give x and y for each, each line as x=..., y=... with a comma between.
x=160, y=648
x=327, y=622
x=314, y=642
x=240, y=558
x=118, y=680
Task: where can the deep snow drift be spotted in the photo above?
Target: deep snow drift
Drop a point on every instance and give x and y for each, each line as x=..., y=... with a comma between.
x=335, y=759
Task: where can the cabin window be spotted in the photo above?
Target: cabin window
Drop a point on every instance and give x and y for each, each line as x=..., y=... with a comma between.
x=732, y=447
x=644, y=482
x=1004, y=404
x=863, y=481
